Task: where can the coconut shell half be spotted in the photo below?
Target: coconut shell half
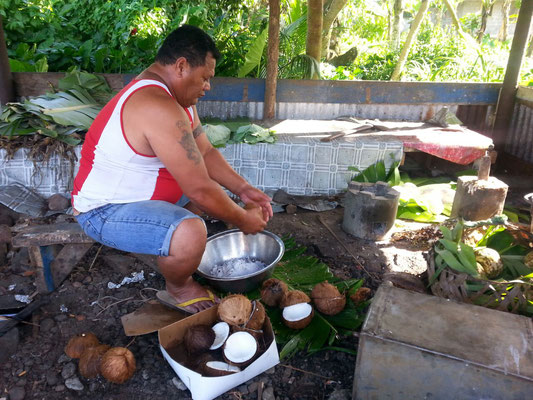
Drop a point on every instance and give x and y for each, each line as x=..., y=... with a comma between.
x=240, y=349
x=219, y=368
x=257, y=317
x=298, y=316
x=198, y=339
x=221, y=330
x=294, y=297
x=235, y=309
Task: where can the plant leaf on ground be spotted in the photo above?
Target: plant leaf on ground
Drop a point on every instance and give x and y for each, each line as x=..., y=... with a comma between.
x=302, y=272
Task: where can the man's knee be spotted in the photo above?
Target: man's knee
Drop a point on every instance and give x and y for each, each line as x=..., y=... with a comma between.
x=189, y=238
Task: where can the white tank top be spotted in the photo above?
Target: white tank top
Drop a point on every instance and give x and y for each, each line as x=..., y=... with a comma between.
x=111, y=170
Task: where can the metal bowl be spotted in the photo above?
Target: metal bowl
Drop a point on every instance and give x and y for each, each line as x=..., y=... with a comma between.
x=233, y=244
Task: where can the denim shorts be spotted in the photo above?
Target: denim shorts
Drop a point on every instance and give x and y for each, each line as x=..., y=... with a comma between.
x=144, y=227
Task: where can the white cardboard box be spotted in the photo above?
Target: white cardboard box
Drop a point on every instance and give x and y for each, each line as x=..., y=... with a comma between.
x=207, y=388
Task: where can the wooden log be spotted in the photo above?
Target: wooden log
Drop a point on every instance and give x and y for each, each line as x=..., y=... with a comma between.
x=477, y=199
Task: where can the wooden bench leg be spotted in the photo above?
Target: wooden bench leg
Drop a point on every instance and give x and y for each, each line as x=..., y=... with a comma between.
x=53, y=268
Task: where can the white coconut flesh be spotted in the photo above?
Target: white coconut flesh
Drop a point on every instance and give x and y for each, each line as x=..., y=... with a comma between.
x=222, y=366
x=297, y=312
x=221, y=334
x=240, y=347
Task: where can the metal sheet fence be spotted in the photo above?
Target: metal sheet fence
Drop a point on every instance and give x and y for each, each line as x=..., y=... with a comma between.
x=519, y=141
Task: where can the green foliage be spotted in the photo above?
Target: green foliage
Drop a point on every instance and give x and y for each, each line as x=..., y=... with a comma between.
x=122, y=36
x=57, y=115
x=254, y=55
x=302, y=272
x=377, y=173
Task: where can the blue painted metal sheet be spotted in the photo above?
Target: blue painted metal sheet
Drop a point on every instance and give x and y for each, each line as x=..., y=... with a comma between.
x=359, y=92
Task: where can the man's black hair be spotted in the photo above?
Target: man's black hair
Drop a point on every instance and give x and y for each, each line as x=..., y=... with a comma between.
x=190, y=42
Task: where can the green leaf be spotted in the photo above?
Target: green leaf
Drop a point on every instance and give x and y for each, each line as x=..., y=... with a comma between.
x=468, y=253
x=449, y=245
x=254, y=54
x=451, y=260
x=446, y=233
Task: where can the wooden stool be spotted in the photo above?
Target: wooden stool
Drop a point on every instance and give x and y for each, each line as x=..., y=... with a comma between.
x=53, y=265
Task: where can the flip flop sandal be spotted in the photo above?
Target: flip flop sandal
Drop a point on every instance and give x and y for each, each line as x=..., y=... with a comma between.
x=165, y=298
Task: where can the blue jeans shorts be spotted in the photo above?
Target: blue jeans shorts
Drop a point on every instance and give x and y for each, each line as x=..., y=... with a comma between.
x=144, y=227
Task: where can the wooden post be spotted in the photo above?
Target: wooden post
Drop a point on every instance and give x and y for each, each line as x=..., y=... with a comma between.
x=271, y=82
x=505, y=107
x=6, y=82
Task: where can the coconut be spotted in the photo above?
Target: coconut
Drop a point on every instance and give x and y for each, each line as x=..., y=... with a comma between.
x=235, y=309
x=298, y=316
x=257, y=317
x=117, y=365
x=240, y=348
x=294, y=297
x=489, y=263
x=327, y=298
x=360, y=295
x=77, y=344
x=221, y=330
x=198, y=339
x=89, y=364
x=219, y=368
x=528, y=260
x=273, y=291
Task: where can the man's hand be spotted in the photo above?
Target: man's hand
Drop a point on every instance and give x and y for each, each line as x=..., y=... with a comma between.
x=254, y=221
x=250, y=195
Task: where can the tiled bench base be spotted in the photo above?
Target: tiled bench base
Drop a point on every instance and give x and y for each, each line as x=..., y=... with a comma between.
x=297, y=165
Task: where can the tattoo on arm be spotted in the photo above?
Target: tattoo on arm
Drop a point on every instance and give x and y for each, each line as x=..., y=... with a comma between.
x=198, y=131
x=188, y=143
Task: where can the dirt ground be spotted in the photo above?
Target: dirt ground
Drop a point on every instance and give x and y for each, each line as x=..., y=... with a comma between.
x=34, y=366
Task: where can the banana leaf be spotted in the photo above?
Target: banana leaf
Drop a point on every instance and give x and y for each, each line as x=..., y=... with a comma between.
x=303, y=273
x=254, y=54
x=66, y=109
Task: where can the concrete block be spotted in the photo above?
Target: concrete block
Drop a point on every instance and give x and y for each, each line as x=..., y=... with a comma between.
x=416, y=346
x=478, y=199
x=369, y=209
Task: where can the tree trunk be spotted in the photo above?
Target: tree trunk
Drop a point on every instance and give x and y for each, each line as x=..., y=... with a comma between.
x=486, y=11
x=424, y=5
x=331, y=10
x=271, y=82
x=502, y=35
x=6, y=81
x=313, y=46
x=455, y=20
x=394, y=42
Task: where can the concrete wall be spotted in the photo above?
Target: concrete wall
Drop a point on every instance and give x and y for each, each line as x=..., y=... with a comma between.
x=494, y=22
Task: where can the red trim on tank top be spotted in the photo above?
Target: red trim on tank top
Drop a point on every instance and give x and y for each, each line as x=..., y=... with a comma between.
x=122, y=122
x=190, y=116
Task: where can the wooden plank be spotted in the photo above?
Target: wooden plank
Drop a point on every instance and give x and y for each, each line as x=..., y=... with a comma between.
x=44, y=235
x=66, y=260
